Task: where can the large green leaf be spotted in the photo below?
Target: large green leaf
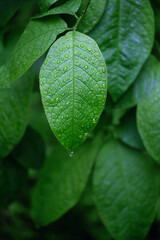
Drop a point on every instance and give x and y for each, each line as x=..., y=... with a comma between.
x=92, y=15
x=148, y=116
x=14, y=111
x=12, y=180
x=125, y=37
x=124, y=191
x=127, y=131
x=148, y=79
x=7, y=9
x=62, y=182
x=45, y=4
x=69, y=7
x=73, y=84
x=35, y=40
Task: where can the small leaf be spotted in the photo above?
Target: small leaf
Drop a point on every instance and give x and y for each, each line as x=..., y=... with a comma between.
x=125, y=191
x=73, y=84
x=35, y=40
x=30, y=152
x=14, y=111
x=12, y=180
x=125, y=36
x=92, y=16
x=148, y=117
x=69, y=7
x=45, y=4
x=62, y=182
x=127, y=131
x=148, y=79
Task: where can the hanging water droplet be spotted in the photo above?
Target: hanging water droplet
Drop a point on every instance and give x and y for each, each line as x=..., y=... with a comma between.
x=94, y=120
x=71, y=154
x=86, y=67
x=65, y=68
x=104, y=85
x=66, y=55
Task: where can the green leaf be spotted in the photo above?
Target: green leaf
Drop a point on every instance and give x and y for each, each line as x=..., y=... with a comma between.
x=62, y=182
x=148, y=119
x=127, y=131
x=7, y=9
x=12, y=180
x=125, y=36
x=92, y=16
x=125, y=191
x=35, y=40
x=14, y=111
x=148, y=79
x=30, y=152
x=45, y=4
x=73, y=87
x=69, y=7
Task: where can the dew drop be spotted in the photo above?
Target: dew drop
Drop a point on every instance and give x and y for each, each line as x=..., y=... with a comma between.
x=68, y=46
x=41, y=76
x=80, y=105
x=86, y=67
x=61, y=49
x=94, y=120
x=67, y=103
x=71, y=154
x=85, y=134
x=57, y=99
x=104, y=85
x=79, y=53
x=55, y=76
x=58, y=84
x=58, y=61
x=89, y=49
x=41, y=82
x=45, y=63
x=62, y=117
x=103, y=70
x=66, y=55
x=65, y=68
x=64, y=80
x=82, y=45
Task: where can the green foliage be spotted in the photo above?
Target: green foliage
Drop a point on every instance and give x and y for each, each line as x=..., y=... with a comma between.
x=125, y=189
x=73, y=163
x=73, y=85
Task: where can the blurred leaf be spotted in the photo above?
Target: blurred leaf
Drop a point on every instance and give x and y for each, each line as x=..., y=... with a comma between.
x=12, y=180
x=148, y=119
x=125, y=36
x=35, y=40
x=62, y=182
x=7, y=9
x=69, y=7
x=14, y=111
x=30, y=152
x=148, y=79
x=92, y=16
x=127, y=131
x=45, y=4
x=124, y=191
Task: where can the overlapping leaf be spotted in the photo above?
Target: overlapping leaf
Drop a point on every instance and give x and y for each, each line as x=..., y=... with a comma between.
x=36, y=39
x=62, y=182
x=73, y=85
x=125, y=36
x=125, y=191
x=44, y=5
x=148, y=116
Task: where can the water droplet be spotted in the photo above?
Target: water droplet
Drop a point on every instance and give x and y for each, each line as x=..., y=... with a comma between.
x=103, y=69
x=65, y=68
x=67, y=103
x=66, y=55
x=79, y=53
x=58, y=84
x=68, y=46
x=61, y=49
x=58, y=61
x=80, y=136
x=85, y=134
x=94, y=120
x=89, y=49
x=104, y=85
x=86, y=67
x=56, y=88
x=55, y=76
x=80, y=105
x=82, y=45
x=45, y=62
x=41, y=76
x=41, y=82
x=62, y=117
x=57, y=99
x=71, y=154
x=64, y=80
